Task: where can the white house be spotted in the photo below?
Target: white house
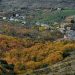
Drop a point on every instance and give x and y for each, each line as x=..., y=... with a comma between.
x=38, y=23
x=4, y=18
x=11, y=19
x=17, y=15
x=62, y=30
x=59, y=9
x=23, y=17
x=16, y=20
x=23, y=22
x=45, y=25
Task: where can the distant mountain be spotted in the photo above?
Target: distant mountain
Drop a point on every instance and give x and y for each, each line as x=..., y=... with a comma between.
x=17, y=4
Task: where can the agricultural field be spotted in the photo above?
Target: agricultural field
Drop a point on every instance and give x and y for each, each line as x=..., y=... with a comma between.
x=54, y=16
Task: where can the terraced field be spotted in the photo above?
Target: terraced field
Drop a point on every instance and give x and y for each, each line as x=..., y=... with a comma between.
x=55, y=16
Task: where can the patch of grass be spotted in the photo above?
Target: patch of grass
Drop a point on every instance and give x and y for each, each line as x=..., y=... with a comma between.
x=54, y=16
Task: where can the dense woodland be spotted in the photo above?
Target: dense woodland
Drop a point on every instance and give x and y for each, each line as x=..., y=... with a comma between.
x=27, y=54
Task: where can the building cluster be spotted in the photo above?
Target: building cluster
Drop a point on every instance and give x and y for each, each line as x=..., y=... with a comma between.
x=14, y=17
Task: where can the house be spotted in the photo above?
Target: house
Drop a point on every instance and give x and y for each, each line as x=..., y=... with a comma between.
x=55, y=23
x=16, y=20
x=23, y=22
x=17, y=15
x=68, y=28
x=65, y=37
x=42, y=24
x=4, y=18
x=11, y=19
x=59, y=9
x=38, y=23
x=62, y=30
x=22, y=17
x=45, y=25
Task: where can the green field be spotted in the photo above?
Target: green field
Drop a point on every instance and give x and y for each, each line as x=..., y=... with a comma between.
x=55, y=16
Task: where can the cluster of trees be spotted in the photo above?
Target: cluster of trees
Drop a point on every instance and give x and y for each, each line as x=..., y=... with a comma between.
x=6, y=69
x=27, y=54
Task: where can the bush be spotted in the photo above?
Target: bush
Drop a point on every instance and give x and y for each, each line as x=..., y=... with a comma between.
x=65, y=54
x=19, y=66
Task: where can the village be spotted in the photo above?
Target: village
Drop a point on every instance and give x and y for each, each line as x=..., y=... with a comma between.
x=23, y=14
x=66, y=27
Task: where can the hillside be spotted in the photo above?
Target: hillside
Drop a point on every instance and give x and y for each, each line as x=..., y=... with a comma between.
x=67, y=66
x=17, y=4
x=28, y=56
x=37, y=37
